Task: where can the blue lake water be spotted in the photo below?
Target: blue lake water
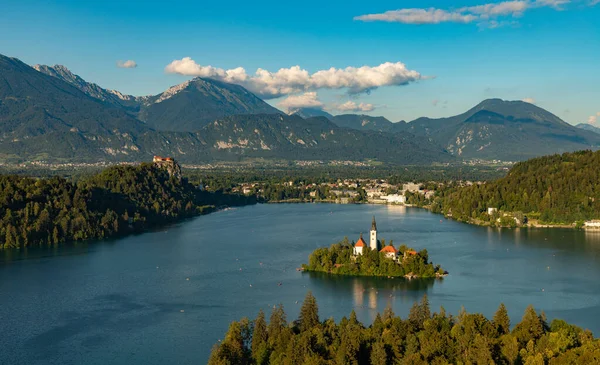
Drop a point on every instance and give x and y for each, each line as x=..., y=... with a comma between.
x=167, y=296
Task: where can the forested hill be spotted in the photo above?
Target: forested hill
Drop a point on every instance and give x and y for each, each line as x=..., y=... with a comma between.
x=117, y=201
x=556, y=189
x=421, y=338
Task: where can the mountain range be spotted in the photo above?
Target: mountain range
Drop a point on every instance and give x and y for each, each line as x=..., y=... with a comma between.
x=506, y=130
x=48, y=113
x=186, y=107
x=588, y=127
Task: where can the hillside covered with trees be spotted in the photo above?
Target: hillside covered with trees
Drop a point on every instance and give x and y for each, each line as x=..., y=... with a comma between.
x=421, y=338
x=117, y=201
x=554, y=189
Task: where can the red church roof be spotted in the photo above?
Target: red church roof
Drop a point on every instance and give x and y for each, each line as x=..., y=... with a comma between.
x=360, y=243
x=410, y=252
x=388, y=249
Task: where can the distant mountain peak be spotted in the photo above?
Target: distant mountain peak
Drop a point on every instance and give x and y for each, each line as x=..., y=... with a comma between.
x=90, y=88
x=172, y=91
x=310, y=112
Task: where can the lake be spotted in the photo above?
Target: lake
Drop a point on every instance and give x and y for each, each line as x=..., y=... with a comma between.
x=167, y=296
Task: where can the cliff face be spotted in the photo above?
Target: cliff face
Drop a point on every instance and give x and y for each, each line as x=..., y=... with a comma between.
x=171, y=166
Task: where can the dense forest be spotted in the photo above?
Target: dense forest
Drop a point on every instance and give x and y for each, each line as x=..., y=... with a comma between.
x=421, y=338
x=117, y=201
x=554, y=189
x=339, y=259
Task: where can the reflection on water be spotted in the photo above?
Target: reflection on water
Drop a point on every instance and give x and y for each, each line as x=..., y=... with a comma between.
x=372, y=293
x=396, y=209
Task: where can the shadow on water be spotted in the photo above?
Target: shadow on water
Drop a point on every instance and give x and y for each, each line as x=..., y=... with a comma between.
x=36, y=253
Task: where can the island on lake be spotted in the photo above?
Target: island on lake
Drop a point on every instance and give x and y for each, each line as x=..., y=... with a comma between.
x=375, y=259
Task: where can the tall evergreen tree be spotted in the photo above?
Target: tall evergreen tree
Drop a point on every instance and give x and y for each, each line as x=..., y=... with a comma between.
x=277, y=323
x=378, y=354
x=309, y=313
x=259, y=335
x=424, y=310
x=530, y=327
x=388, y=313
x=501, y=320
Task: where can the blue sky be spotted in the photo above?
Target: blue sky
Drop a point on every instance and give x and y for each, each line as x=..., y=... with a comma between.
x=545, y=50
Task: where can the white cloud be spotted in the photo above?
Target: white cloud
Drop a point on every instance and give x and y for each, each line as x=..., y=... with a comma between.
x=594, y=118
x=306, y=100
x=127, y=64
x=480, y=13
x=293, y=80
x=529, y=100
x=594, y=2
x=351, y=106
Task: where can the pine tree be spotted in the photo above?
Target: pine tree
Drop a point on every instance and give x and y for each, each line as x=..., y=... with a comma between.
x=530, y=327
x=277, y=323
x=501, y=320
x=414, y=318
x=424, y=311
x=377, y=326
x=388, y=312
x=309, y=313
x=378, y=354
x=259, y=335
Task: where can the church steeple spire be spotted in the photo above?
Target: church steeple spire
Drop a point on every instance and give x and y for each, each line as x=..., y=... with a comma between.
x=373, y=241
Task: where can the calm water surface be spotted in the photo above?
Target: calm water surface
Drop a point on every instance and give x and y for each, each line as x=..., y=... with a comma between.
x=168, y=296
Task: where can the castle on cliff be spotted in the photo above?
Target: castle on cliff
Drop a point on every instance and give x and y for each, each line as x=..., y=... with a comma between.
x=169, y=164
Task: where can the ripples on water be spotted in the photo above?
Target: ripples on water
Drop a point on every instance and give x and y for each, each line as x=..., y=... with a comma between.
x=169, y=295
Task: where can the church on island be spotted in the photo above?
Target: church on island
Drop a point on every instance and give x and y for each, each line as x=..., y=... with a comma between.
x=374, y=244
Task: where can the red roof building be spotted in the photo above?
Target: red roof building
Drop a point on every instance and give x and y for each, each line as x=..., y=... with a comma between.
x=360, y=242
x=389, y=252
x=359, y=246
x=389, y=249
x=162, y=159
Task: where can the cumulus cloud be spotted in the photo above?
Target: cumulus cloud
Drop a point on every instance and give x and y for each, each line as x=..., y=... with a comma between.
x=293, y=80
x=306, y=100
x=529, y=100
x=481, y=14
x=351, y=106
x=127, y=64
x=594, y=118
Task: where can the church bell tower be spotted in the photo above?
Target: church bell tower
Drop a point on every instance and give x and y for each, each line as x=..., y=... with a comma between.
x=373, y=241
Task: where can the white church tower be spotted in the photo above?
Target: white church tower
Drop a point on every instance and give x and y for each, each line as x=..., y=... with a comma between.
x=373, y=242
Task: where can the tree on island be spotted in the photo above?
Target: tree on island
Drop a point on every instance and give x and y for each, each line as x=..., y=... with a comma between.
x=340, y=259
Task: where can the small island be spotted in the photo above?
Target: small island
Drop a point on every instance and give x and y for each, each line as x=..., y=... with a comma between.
x=375, y=259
